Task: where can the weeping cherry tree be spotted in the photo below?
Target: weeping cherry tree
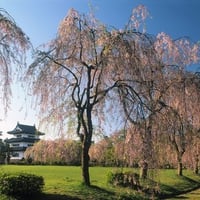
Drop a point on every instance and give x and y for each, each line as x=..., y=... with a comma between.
x=73, y=75
x=13, y=44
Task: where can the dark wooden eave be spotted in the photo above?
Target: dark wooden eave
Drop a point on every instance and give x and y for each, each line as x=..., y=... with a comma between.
x=25, y=129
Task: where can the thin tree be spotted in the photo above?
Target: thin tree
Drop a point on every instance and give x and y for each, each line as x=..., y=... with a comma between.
x=182, y=116
x=193, y=110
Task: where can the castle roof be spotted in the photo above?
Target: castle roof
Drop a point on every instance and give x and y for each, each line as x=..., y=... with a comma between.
x=25, y=129
x=21, y=139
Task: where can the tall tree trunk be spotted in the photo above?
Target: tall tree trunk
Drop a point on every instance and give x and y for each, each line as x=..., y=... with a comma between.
x=180, y=169
x=180, y=164
x=147, y=150
x=180, y=150
x=196, y=164
x=86, y=143
x=85, y=163
x=144, y=162
x=144, y=170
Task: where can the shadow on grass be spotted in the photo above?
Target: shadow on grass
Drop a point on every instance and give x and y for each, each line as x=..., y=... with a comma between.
x=101, y=190
x=191, y=181
x=93, y=192
x=181, y=197
x=84, y=191
x=171, y=192
x=51, y=197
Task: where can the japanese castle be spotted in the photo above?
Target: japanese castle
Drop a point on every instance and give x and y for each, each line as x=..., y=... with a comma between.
x=24, y=136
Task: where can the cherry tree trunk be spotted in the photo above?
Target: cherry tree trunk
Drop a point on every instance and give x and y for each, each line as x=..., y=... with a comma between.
x=180, y=165
x=86, y=142
x=85, y=164
x=144, y=170
x=147, y=150
x=196, y=164
x=180, y=169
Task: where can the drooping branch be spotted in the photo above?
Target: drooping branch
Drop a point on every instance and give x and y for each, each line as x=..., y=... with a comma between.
x=13, y=46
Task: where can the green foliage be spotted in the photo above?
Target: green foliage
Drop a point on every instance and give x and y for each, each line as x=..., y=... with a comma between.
x=2, y=152
x=125, y=179
x=21, y=184
x=115, y=178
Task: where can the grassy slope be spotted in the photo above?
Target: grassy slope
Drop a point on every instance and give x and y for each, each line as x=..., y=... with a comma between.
x=62, y=182
x=194, y=195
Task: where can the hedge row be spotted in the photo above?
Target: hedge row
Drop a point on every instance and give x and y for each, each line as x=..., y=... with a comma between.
x=21, y=185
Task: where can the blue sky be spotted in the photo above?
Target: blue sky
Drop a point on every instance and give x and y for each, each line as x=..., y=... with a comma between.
x=40, y=19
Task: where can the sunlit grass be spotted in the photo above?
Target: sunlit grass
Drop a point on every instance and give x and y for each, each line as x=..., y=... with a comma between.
x=65, y=182
x=58, y=179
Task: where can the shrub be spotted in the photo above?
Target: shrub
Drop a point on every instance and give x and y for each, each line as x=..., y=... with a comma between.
x=126, y=179
x=21, y=185
x=116, y=178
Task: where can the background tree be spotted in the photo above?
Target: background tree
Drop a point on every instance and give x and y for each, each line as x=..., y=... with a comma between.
x=154, y=69
x=98, y=151
x=2, y=152
x=133, y=146
x=59, y=151
x=177, y=137
x=191, y=157
x=192, y=90
x=13, y=44
x=179, y=121
x=141, y=91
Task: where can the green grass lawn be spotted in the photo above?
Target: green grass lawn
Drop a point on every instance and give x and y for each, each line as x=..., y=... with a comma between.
x=171, y=184
x=64, y=182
